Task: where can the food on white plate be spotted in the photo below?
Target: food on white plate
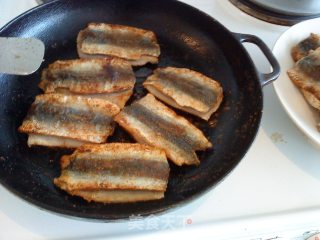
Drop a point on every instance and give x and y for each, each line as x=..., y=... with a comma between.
x=151, y=122
x=136, y=45
x=303, y=48
x=108, y=78
x=186, y=89
x=68, y=121
x=306, y=76
x=115, y=172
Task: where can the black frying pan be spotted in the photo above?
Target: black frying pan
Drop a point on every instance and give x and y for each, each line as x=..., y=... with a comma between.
x=188, y=38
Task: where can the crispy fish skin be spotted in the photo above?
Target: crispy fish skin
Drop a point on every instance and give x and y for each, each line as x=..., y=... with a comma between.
x=115, y=172
x=118, y=98
x=53, y=141
x=88, y=76
x=187, y=90
x=305, y=75
x=136, y=45
x=118, y=196
x=303, y=48
x=151, y=122
x=69, y=118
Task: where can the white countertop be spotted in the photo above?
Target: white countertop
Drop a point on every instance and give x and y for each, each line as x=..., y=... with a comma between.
x=274, y=191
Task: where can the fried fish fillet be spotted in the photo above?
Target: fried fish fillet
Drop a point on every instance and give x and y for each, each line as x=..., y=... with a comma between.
x=303, y=48
x=187, y=90
x=115, y=172
x=109, y=78
x=136, y=45
x=118, y=196
x=151, y=122
x=57, y=120
x=118, y=98
x=306, y=76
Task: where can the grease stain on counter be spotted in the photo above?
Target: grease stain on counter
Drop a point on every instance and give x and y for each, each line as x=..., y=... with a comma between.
x=277, y=137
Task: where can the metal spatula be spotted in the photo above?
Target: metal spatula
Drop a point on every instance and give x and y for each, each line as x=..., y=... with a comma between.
x=20, y=56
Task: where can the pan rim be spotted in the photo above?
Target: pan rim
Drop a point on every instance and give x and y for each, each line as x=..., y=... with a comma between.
x=160, y=210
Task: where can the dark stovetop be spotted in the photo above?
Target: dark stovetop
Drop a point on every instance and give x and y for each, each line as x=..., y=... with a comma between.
x=271, y=15
x=259, y=11
x=43, y=1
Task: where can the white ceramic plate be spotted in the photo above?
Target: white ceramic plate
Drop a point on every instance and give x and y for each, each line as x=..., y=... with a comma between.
x=304, y=116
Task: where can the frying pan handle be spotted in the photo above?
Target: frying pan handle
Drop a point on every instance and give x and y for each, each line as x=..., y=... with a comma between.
x=266, y=78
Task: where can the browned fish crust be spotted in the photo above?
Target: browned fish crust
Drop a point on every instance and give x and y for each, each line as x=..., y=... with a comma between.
x=186, y=89
x=151, y=122
x=72, y=117
x=305, y=75
x=104, y=172
x=303, y=48
x=136, y=45
x=118, y=196
x=118, y=98
x=88, y=76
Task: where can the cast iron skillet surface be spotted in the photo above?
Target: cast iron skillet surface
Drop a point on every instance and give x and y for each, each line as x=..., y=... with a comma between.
x=188, y=38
